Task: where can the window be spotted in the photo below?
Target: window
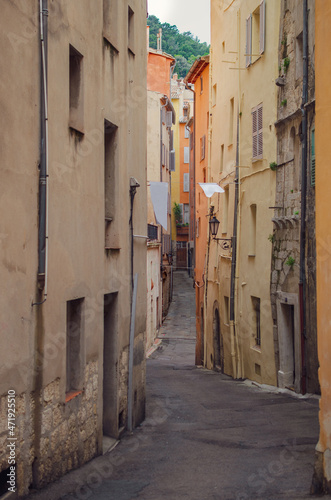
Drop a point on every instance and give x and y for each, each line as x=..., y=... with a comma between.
x=130, y=30
x=186, y=154
x=226, y=310
x=231, y=121
x=256, y=304
x=255, y=34
x=152, y=232
x=312, y=176
x=257, y=126
x=252, y=232
x=186, y=218
x=185, y=112
x=187, y=133
x=299, y=56
x=249, y=41
x=201, y=84
x=225, y=210
x=197, y=233
x=76, y=90
x=214, y=94
x=75, y=355
x=202, y=147
x=111, y=182
x=186, y=187
x=222, y=158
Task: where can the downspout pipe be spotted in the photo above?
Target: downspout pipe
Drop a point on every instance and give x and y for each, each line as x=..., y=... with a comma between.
x=43, y=174
x=302, y=282
x=234, y=258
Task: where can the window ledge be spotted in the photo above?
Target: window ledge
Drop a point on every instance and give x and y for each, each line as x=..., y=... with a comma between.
x=71, y=395
x=256, y=348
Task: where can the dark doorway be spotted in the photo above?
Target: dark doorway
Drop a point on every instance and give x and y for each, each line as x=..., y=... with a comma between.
x=218, y=343
x=110, y=405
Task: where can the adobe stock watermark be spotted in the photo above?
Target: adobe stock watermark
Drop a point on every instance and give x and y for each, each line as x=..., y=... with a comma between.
x=268, y=474
x=110, y=462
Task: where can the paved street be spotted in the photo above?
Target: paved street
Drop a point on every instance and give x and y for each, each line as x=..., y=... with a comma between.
x=206, y=437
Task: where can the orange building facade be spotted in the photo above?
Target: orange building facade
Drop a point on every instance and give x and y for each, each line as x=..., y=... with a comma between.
x=199, y=77
x=322, y=477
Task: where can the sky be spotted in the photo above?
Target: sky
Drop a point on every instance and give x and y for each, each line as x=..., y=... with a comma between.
x=187, y=15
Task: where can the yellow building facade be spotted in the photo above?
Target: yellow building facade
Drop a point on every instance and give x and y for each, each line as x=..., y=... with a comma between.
x=243, y=110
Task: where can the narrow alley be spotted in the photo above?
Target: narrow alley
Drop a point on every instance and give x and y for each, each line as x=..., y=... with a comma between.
x=205, y=436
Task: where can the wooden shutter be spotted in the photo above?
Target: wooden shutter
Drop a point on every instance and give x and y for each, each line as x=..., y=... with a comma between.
x=260, y=131
x=262, y=26
x=186, y=188
x=172, y=160
x=249, y=41
x=169, y=119
x=257, y=129
x=186, y=155
x=312, y=174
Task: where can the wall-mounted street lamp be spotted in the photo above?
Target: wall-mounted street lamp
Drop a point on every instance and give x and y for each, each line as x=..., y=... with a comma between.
x=213, y=226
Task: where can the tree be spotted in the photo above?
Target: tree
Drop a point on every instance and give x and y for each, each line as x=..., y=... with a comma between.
x=185, y=47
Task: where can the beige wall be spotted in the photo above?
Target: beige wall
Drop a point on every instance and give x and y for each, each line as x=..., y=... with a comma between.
x=78, y=265
x=247, y=88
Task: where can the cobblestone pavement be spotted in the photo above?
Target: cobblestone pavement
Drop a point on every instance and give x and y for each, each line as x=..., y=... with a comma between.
x=205, y=437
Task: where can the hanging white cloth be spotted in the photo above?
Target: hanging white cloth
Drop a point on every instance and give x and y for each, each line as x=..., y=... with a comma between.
x=159, y=194
x=210, y=188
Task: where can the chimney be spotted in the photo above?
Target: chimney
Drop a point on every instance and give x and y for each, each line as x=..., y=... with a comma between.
x=159, y=40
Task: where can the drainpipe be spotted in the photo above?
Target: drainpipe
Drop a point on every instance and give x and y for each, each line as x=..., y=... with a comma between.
x=234, y=260
x=43, y=174
x=302, y=282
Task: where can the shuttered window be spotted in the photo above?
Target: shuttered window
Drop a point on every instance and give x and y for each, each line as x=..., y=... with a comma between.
x=186, y=183
x=202, y=147
x=249, y=41
x=312, y=177
x=257, y=127
x=186, y=155
x=262, y=26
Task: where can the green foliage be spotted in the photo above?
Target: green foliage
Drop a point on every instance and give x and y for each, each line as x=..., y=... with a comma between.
x=290, y=261
x=273, y=165
x=177, y=213
x=284, y=102
x=286, y=63
x=271, y=238
x=185, y=47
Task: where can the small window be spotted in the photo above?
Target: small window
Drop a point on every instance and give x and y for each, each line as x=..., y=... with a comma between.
x=231, y=121
x=222, y=158
x=256, y=304
x=186, y=179
x=75, y=346
x=76, y=90
x=186, y=154
x=186, y=218
x=111, y=184
x=312, y=177
x=214, y=95
x=187, y=133
x=249, y=41
x=202, y=147
x=197, y=233
x=257, y=127
x=225, y=210
x=299, y=56
x=252, y=232
x=185, y=112
x=226, y=310
x=201, y=84
x=130, y=30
